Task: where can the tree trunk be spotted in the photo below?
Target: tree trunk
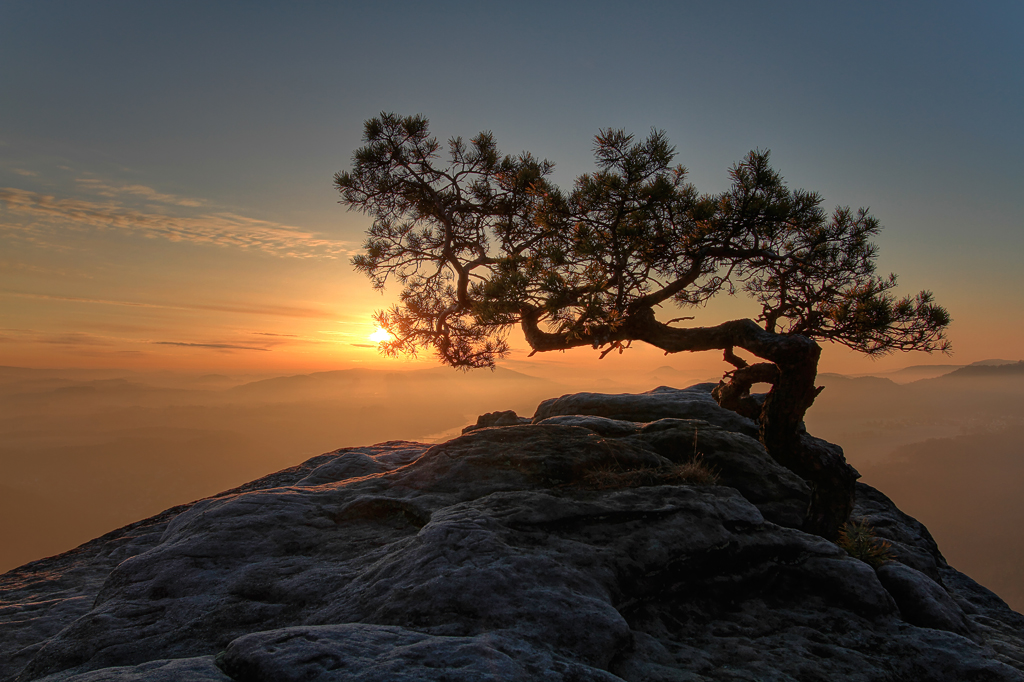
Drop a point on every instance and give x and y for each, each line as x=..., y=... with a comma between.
x=819, y=463
x=793, y=391
x=734, y=394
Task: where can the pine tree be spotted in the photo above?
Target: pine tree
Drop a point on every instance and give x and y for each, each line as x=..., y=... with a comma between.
x=481, y=242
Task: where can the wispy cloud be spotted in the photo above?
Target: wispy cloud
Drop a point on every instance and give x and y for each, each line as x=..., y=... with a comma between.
x=221, y=229
x=34, y=336
x=218, y=346
x=85, y=340
x=75, y=339
x=364, y=345
x=106, y=189
x=281, y=311
x=26, y=173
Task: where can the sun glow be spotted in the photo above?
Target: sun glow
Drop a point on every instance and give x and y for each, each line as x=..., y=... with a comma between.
x=380, y=336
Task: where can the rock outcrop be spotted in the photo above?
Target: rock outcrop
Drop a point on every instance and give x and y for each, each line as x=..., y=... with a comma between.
x=513, y=552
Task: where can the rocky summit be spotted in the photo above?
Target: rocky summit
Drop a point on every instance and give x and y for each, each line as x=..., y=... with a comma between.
x=589, y=543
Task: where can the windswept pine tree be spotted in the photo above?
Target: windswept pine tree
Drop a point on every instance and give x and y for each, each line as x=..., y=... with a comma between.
x=481, y=242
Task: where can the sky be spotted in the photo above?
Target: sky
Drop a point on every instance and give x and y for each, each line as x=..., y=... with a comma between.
x=166, y=168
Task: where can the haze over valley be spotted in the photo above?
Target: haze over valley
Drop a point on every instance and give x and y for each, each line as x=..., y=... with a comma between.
x=87, y=451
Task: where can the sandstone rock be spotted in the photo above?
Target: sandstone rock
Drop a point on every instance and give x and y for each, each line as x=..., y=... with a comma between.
x=911, y=542
x=358, y=652
x=351, y=464
x=504, y=418
x=740, y=461
x=921, y=600
x=736, y=455
x=201, y=669
x=489, y=558
x=660, y=403
x=600, y=425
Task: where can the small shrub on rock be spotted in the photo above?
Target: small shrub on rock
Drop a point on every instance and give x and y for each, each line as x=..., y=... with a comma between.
x=693, y=472
x=859, y=540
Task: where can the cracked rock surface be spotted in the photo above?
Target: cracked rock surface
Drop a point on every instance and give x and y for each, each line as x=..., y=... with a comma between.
x=513, y=552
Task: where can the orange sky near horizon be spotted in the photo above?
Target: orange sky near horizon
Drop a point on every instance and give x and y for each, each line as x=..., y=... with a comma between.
x=129, y=276
x=80, y=289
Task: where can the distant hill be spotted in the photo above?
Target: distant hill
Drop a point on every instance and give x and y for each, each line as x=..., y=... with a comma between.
x=9, y=375
x=861, y=386
x=918, y=372
x=915, y=372
x=303, y=386
x=670, y=376
x=1015, y=369
x=871, y=416
x=50, y=393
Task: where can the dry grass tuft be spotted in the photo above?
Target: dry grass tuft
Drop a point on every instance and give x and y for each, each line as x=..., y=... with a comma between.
x=859, y=540
x=694, y=472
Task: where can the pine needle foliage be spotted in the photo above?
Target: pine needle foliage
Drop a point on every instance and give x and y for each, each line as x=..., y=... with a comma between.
x=480, y=242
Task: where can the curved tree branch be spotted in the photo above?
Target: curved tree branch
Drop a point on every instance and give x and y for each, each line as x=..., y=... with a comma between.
x=483, y=242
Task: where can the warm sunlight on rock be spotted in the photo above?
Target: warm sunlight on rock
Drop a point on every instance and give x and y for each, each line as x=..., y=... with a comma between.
x=380, y=335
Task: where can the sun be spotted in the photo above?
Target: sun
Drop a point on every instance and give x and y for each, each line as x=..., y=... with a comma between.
x=380, y=336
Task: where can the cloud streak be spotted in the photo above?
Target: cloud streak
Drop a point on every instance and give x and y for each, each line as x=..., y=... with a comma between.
x=281, y=311
x=220, y=229
x=56, y=339
x=79, y=339
x=75, y=339
x=218, y=346
x=105, y=189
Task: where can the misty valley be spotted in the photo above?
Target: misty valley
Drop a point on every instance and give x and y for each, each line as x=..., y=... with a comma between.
x=86, y=451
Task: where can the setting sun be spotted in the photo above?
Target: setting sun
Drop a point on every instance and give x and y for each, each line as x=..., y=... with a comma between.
x=380, y=336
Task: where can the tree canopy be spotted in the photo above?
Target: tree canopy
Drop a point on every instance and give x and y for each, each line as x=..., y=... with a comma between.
x=481, y=242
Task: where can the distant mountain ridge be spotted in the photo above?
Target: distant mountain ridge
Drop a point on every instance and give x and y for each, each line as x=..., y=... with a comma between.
x=917, y=372
x=377, y=379
x=1014, y=369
